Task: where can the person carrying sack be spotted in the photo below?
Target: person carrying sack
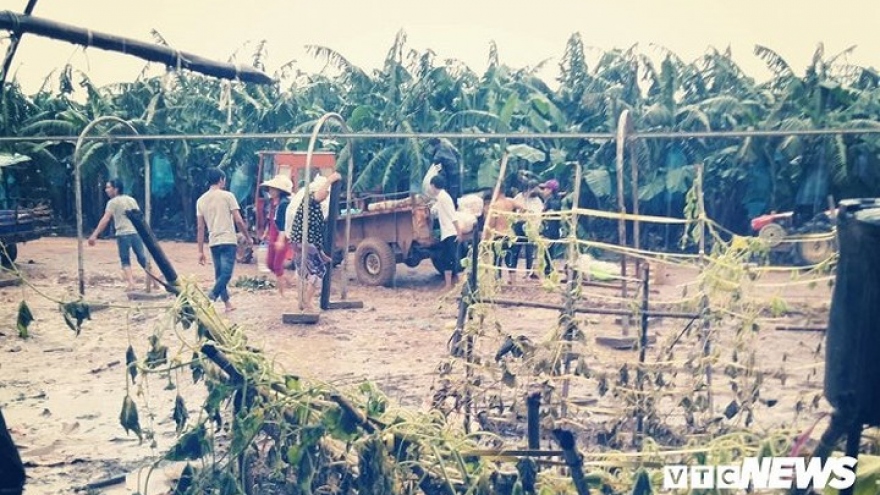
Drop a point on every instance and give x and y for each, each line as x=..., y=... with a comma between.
x=443, y=153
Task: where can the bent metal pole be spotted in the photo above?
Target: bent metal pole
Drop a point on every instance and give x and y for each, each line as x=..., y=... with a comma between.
x=77, y=175
x=314, y=138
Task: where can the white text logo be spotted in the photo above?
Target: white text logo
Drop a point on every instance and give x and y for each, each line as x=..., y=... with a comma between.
x=769, y=473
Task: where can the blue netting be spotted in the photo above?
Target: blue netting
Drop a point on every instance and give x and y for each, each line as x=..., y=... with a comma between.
x=241, y=184
x=161, y=176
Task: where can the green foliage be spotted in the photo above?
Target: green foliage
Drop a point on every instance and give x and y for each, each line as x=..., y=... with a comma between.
x=74, y=314
x=253, y=284
x=24, y=319
x=158, y=353
x=192, y=445
x=180, y=414
x=128, y=418
x=131, y=363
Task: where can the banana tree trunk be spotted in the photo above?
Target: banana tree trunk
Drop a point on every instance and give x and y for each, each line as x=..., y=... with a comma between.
x=11, y=21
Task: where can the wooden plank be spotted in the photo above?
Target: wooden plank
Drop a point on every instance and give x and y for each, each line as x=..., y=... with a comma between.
x=803, y=328
x=623, y=342
x=300, y=318
x=146, y=296
x=345, y=305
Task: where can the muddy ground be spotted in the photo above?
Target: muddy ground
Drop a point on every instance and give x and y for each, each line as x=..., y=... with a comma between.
x=61, y=394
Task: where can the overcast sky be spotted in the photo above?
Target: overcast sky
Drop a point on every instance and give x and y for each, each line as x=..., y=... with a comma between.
x=526, y=32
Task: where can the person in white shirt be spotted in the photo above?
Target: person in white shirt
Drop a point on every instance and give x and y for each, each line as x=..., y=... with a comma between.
x=218, y=211
x=450, y=230
x=127, y=238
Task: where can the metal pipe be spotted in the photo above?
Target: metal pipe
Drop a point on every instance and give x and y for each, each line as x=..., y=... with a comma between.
x=311, y=149
x=601, y=136
x=77, y=175
x=634, y=170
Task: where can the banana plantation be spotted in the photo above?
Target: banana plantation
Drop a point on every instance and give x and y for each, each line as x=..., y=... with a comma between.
x=504, y=375
x=420, y=92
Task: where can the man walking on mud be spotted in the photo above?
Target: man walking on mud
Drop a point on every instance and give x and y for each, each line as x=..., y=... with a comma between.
x=218, y=210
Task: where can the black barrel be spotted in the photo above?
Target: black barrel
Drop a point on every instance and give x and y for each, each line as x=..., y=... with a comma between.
x=852, y=353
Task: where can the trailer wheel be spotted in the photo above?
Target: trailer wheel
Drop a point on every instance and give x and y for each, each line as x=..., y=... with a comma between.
x=8, y=254
x=375, y=262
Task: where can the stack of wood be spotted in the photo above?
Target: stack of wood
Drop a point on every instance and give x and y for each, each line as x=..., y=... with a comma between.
x=391, y=204
x=40, y=213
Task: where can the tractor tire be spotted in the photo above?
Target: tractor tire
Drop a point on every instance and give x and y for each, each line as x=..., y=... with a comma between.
x=813, y=252
x=375, y=262
x=8, y=254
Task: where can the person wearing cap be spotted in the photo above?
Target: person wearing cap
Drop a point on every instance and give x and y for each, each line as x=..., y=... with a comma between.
x=551, y=227
x=278, y=188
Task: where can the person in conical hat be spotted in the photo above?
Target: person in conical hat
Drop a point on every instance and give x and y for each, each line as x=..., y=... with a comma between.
x=279, y=189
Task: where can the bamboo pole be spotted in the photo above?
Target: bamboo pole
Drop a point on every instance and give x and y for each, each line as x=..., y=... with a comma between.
x=147, y=51
x=622, y=129
x=588, y=310
x=706, y=331
x=643, y=347
x=568, y=310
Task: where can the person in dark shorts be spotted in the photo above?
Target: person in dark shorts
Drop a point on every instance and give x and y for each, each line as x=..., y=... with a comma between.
x=551, y=227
